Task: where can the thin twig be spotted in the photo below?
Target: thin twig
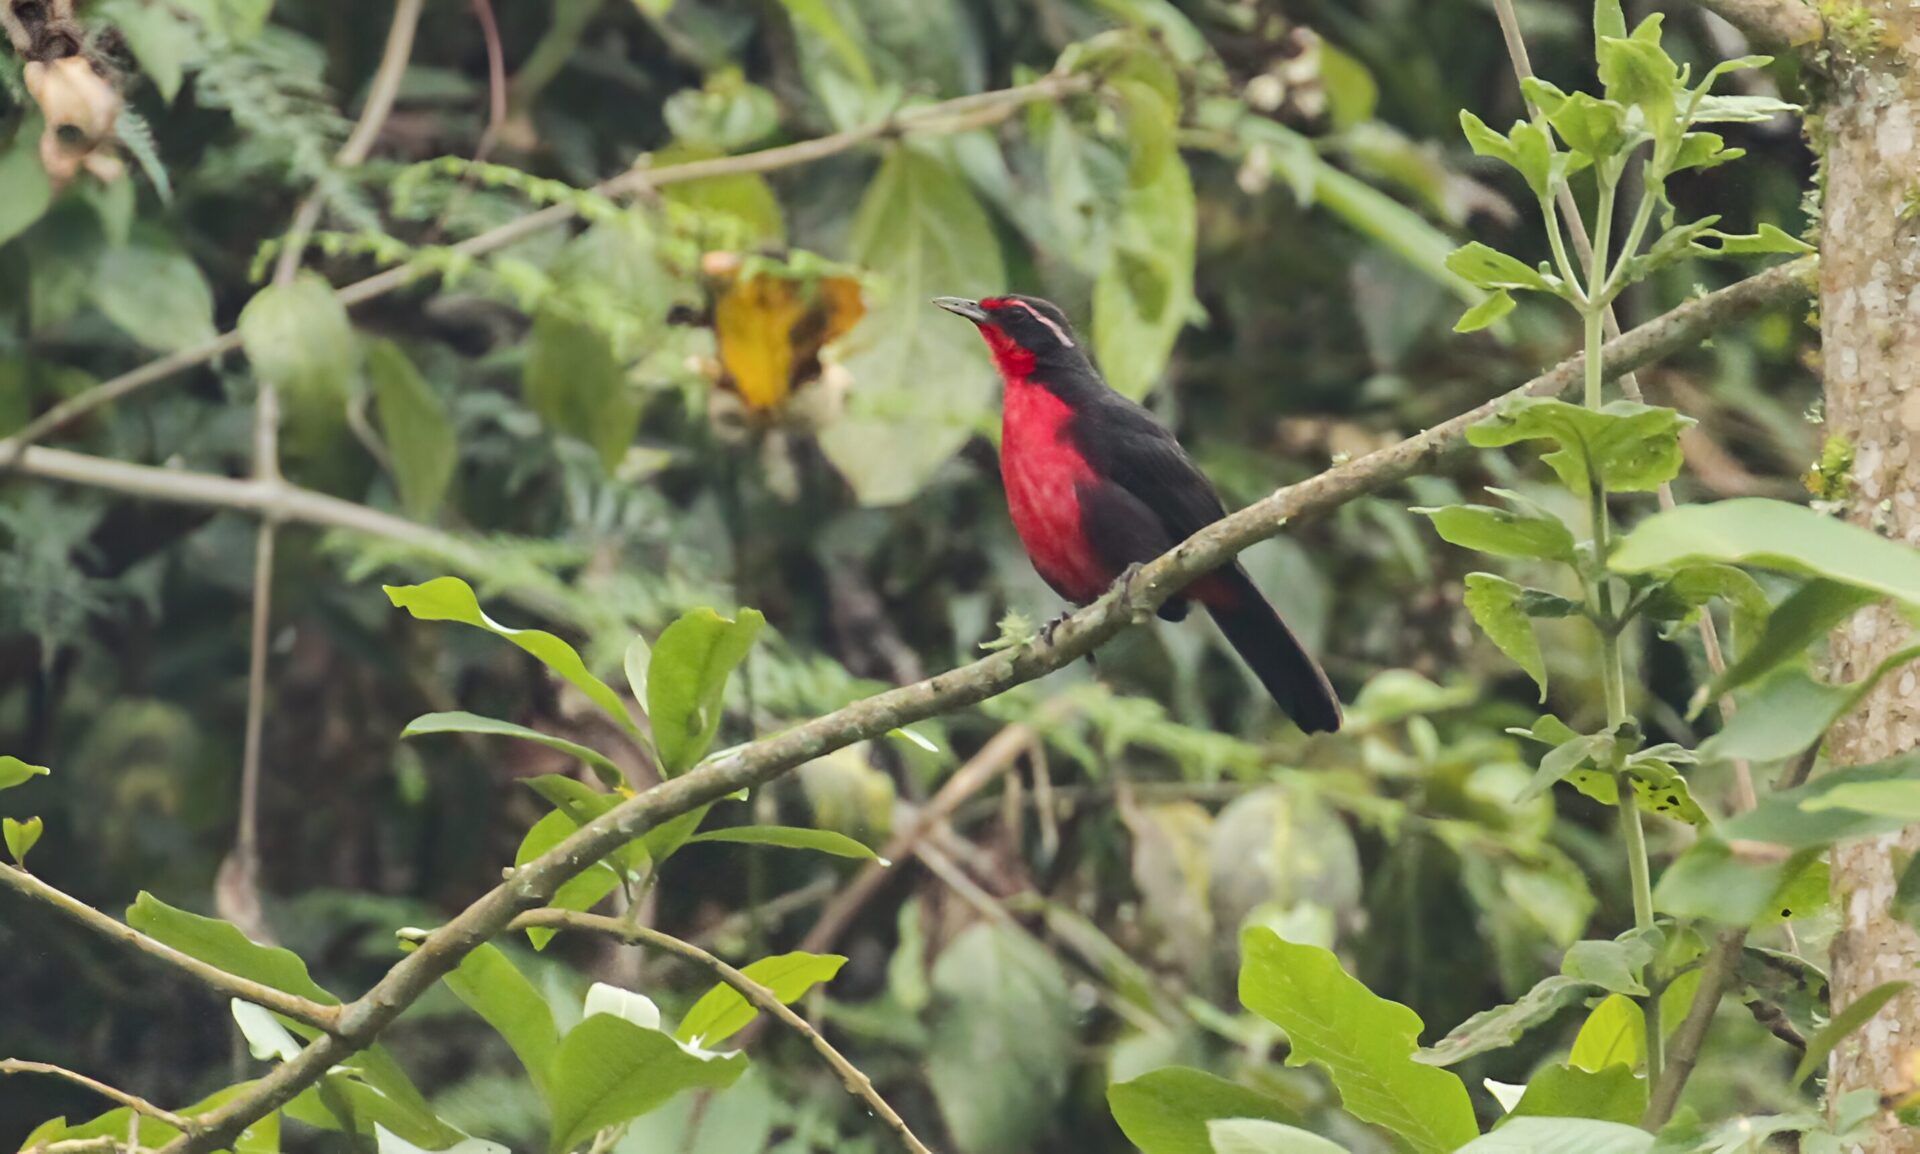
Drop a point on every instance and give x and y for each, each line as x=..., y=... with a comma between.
x=533, y=885
x=496, y=79
x=132, y=1102
x=1723, y=958
x=1744, y=796
x=960, y=114
x=851, y=1076
x=302, y=1010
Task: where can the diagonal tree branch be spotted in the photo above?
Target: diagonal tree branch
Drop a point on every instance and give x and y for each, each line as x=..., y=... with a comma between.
x=855, y=1080
x=132, y=1102
x=1772, y=23
x=1135, y=599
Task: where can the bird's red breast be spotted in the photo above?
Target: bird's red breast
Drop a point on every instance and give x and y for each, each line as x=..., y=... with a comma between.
x=1043, y=472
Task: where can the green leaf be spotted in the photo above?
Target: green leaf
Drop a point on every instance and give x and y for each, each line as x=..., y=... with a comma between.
x=1802, y=619
x=1562, y=1136
x=1143, y=296
x=154, y=294
x=1487, y=312
x=923, y=380
x=1591, y=125
x=163, y=43
x=1489, y=268
x=1495, y=603
x=25, y=191
x=1562, y=760
x=576, y=384
x=299, y=339
x=1365, y=1042
x=1615, y=1033
x=419, y=431
x=1896, y=798
x=365, y=1093
x=819, y=20
x=14, y=772
x=1255, y=1136
x=1708, y=881
x=1771, y=535
x=1632, y=448
x=1166, y=1111
x=722, y=1012
x=1616, y=965
x=459, y=722
x=1856, y=1014
x=493, y=987
x=1526, y=533
x=634, y=663
x=581, y=892
x=21, y=836
x=788, y=837
x=1502, y=1026
x=687, y=681
x=1613, y=1094
x=608, y=1070
x=1004, y=1039
x=451, y=599
x=222, y=944
x=1769, y=239
x=1677, y=600
x=1485, y=141
x=665, y=839
x=1790, y=711
x=1637, y=71
x=583, y=804
x=1608, y=21
x=1805, y=816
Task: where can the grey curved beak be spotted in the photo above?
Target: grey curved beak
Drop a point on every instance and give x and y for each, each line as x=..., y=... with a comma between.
x=962, y=307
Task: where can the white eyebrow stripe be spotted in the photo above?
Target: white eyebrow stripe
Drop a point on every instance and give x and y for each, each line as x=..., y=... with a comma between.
x=1046, y=320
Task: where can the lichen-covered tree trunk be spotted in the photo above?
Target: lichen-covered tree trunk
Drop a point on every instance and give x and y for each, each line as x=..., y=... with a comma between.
x=1870, y=326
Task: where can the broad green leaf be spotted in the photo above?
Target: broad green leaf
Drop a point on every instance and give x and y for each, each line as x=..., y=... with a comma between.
x=577, y=385
x=1562, y=1136
x=1489, y=268
x=21, y=836
x=722, y=1012
x=1805, y=818
x=1167, y=1111
x=1615, y=1033
x=1004, y=1039
x=155, y=294
x=14, y=772
x=1365, y=1042
x=355, y=1099
x=1899, y=799
x=1495, y=603
x=298, y=338
x=1637, y=71
x=1679, y=598
x=1591, y=125
x=665, y=839
x=1616, y=965
x=687, y=682
x=1257, y=1136
x=263, y=1137
x=222, y=944
x=1143, y=296
x=1790, y=711
x=1771, y=535
x=25, y=191
x=1708, y=881
x=1487, y=312
x=923, y=381
x=581, y=892
x=583, y=804
x=419, y=431
x=451, y=599
x=494, y=988
x=1501, y=532
x=1856, y=1014
x=1630, y=447
x=163, y=43
x=608, y=1070
x=1502, y=1026
x=1802, y=619
x=1615, y=1094
x=460, y=722
x=788, y=837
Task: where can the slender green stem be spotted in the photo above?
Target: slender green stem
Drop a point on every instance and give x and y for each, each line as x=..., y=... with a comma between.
x=1636, y=235
x=1551, y=214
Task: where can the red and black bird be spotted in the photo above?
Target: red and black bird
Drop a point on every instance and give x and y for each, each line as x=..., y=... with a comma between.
x=1096, y=483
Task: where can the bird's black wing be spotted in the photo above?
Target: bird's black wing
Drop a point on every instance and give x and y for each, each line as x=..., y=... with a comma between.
x=1128, y=446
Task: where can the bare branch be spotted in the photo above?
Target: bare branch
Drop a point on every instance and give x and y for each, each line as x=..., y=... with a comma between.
x=1772, y=23
x=533, y=885
x=133, y=1102
x=1722, y=959
x=851, y=1076
x=949, y=116
x=300, y=1009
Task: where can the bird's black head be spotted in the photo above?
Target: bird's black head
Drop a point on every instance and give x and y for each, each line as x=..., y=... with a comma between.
x=1024, y=332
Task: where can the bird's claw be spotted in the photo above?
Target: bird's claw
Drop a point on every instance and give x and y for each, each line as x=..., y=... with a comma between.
x=1052, y=627
x=1124, y=583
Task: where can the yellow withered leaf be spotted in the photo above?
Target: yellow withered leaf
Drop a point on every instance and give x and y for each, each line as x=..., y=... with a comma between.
x=770, y=330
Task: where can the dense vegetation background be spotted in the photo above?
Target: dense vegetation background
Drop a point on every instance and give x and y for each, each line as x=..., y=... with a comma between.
x=614, y=431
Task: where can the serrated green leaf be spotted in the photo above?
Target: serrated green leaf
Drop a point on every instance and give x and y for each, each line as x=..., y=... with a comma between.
x=722, y=1012
x=1365, y=1042
x=418, y=429
x=687, y=681
x=451, y=599
x=460, y=722
x=1495, y=605
x=1631, y=448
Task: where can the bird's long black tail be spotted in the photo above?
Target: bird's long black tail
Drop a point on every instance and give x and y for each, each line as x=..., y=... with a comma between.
x=1296, y=681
